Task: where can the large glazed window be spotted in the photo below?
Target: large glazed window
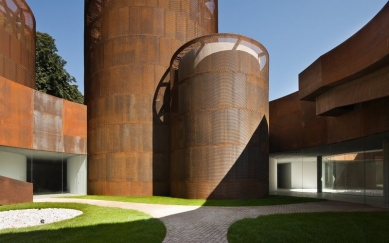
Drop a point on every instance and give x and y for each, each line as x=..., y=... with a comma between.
x=353, y=170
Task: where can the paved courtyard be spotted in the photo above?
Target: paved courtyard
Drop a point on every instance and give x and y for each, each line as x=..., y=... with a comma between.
x=210, y=224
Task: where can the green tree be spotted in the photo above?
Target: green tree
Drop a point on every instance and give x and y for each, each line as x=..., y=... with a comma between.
x=51, y=76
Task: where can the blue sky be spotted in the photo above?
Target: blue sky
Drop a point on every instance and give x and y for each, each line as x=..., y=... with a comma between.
x=295, y=32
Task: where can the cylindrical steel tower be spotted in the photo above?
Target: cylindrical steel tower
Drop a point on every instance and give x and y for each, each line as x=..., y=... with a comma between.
x=219, y=111
x=17, y=42
x=128, y=46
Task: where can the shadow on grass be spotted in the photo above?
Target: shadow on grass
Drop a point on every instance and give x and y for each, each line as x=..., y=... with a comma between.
x=105, y=224
x=96, y=224
x=150, y=230
x=313, y=227
x=267, y=201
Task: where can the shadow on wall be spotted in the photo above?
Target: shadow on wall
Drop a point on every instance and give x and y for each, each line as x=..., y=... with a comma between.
x=161, y=159
x=248, y=177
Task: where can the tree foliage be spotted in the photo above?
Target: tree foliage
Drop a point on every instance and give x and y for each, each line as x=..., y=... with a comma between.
x=51, y=76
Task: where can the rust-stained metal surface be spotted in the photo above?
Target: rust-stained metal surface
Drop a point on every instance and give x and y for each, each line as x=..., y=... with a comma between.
x=128, y=47
x=372, y=86
x=219, y=118
x=74, y=127
x=14, y=191
x=343, y=95
x=33, y=120
x=17, y=42
x=16, y=114
x=59, y=125
x=47, y=122
x=285, y=131
x=364, y=52
x=294, y=124
x=301, y=128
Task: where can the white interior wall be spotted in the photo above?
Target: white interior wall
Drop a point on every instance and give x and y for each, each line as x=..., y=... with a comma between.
x=76, y=170
x=13, y=166
x=304, y=175
x=272, y=175
x=297, y=175
x=309, y=175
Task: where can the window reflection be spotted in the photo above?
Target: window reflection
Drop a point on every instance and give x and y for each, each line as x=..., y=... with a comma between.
x=352, y=171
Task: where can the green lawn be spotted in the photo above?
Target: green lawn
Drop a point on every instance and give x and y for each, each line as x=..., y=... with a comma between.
x=313, y=227
x=96, y=224
x=271, y=200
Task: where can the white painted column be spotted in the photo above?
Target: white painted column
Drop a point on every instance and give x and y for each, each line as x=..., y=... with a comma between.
x=13, y=166
x=272, y=175
x=76, y=171
x=319, y=172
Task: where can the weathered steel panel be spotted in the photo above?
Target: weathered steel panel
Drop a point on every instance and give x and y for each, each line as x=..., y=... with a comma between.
x=16, y=114
x=375, y=116
x=17, y=64
x=74, y=144
x=47, y=141
x=3, y=99
x=59, y=125
x=303, y=129
x=47, y=104
x=1, y=63
x=219, y=118
x=28, y=118
x=17, y=42
x=351, y=77
x=74, y=119
x=47, y=122
x=128, y=46
x=14, y=191
x=74, y=127
x=369, y=87
x=365, y=51
x=314, y=129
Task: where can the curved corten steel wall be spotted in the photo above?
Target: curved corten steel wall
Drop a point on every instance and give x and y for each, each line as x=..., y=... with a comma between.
x=343, y=95
x=219, y=127
x=128, y=46
x=364, y=52
x=17, y=42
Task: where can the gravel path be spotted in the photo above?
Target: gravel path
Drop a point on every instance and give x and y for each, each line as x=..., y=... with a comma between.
x=33, y=217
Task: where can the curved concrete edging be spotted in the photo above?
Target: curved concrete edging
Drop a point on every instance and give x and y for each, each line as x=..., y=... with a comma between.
x=209, y=223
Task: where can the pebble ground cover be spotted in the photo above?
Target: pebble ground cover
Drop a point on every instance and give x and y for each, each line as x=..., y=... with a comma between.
x=96, y=224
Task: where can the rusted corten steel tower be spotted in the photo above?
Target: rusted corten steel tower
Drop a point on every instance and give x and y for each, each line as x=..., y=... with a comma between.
x=128, y=47
x=219, y=118
x=17, y=42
